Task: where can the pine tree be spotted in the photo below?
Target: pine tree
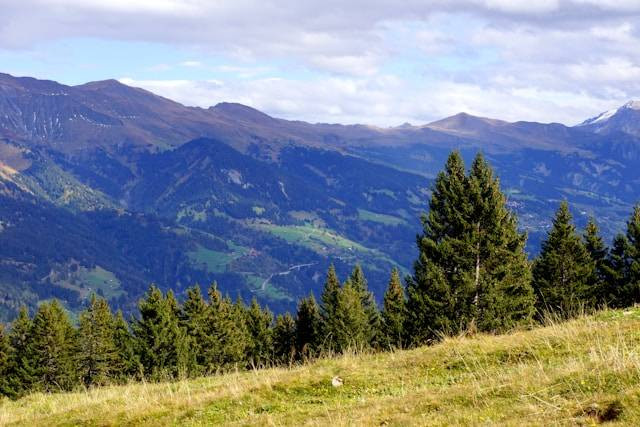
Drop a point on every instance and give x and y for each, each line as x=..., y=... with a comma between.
x=284, y=339
x=562, y=271
x=350, y=320
x=500, y=272
x=601, y=290
x=329, y=303
x=127, y=363
x=471, y=268
x=5, y=355
x=631, y=291
x=21, y=369
x=260, y=349
x=194, y=318
x=308, y=328
x=435, y=297
x=226, y=338
x=617, y=275
x=52, y=349
x=162, y=345
x=97, y=351
x=359, y=283
x=393, y=313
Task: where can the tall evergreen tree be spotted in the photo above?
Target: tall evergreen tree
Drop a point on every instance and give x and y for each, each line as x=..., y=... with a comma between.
x=284, y=339
x=350, y=320
x=360, y=285
x=127, y=364
x=434, y=294
x=601, y=290
x=5, y=354
x=97, y=351
x=631, y=292
x=162, y=344
x=194, y=318
x=562, y=271
x=308, y=328
x=328, y=307
x=471, y=267
x=21, y=369
x=618, y=274
x=52, y=349
x=226, y=338
x=259, y=321
x=393, y=312
x=500, y=272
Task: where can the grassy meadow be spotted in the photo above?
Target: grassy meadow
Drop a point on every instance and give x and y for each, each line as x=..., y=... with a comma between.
x=582, y=372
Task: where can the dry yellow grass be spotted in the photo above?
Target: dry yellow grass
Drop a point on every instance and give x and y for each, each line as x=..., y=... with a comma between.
x=580, y=372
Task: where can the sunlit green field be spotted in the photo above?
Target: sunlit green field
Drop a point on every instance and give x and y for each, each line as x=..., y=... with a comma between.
x=582, y=372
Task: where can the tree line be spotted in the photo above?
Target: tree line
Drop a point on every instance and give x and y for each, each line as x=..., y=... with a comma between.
x=471, y=272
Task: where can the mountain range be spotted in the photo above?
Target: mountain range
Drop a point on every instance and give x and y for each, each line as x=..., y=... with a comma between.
x=107, y=188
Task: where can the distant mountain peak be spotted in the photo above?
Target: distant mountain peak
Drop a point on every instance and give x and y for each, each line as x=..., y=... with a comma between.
x=634, y=105
x=103, y=84
x=241, y=111
x=465, y=122
x=622, y=119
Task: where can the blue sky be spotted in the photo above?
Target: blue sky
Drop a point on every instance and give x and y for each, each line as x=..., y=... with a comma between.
x=377, y=62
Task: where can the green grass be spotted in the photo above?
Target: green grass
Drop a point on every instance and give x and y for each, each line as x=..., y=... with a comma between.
x=104, y=280
x=88, y=280
x=270, y=291
x=581, y=372
x=321, y=240
x=215, y=261
x=365, y=215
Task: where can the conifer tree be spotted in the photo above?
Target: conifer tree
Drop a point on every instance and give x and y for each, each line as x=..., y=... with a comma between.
x=225, y=335
x=434, y=292
x=194, y=318
x=329, y=303
x=617, y=275
x=21, y=369
x=359, y=283
x=308, y=328
x=52, y=349
x=393, y=312
x=260, y=349
x=162, y=345
x=284, y=339
x=97, y=351
x=471, y=267
x=562, y=271
x=500, y=272
x=5, y=354
x=127, y=364
x=600, y=289
x=350, y=320
x=631, y=292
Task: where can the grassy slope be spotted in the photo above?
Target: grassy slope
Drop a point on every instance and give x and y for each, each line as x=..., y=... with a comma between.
x=551, y=375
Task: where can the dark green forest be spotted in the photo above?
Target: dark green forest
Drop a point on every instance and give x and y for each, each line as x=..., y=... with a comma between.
x=471, y=274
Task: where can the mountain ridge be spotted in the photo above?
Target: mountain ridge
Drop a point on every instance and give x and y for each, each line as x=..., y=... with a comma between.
x=229, y=193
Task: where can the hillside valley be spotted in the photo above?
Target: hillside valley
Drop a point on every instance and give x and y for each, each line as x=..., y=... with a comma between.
x=121, y=188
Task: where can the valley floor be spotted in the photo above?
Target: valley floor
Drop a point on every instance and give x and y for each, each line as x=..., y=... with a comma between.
x=580, y=372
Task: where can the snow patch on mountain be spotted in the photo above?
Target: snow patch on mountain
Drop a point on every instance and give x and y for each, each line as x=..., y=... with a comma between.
x=603, y=117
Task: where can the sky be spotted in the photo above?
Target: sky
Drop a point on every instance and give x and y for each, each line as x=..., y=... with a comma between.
x=377, y=62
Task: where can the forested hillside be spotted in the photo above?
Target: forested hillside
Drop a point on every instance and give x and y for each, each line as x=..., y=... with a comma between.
x=471, y=275
x=137, y=189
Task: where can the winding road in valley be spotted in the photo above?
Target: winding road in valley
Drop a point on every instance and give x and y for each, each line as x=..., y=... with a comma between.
x=284, y=273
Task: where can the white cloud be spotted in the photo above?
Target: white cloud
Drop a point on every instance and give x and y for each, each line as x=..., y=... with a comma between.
x=373, y=61
x=382, y=100
x=191, y=64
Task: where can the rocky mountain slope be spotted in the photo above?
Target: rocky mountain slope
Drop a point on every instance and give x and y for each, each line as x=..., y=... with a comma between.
x=106, y=188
